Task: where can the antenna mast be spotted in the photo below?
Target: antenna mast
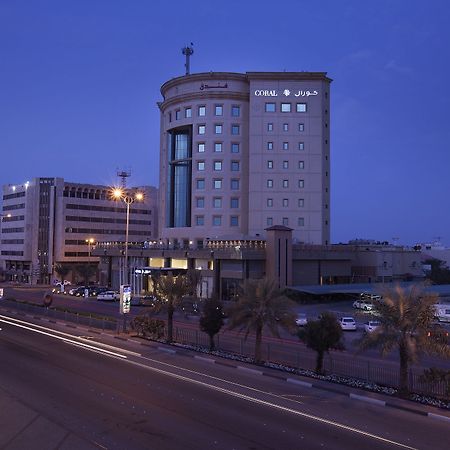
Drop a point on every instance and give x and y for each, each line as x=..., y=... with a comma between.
x=123, y=175
x=188, y=51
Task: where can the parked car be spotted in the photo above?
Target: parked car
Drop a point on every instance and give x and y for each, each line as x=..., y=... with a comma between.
x=371, y=325
x=365, y=305
x=442, y=312
x=347, y=323
x=301, y=319
x=108, y=296
x=94, y=291
x=78, y=291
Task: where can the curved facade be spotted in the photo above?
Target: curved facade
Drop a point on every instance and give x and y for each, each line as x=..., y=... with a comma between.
x=244, y=152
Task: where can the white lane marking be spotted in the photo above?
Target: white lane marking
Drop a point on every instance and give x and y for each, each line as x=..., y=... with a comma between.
x=11, y=320
x=63, y=339
x=272, y=405
x=94, y=349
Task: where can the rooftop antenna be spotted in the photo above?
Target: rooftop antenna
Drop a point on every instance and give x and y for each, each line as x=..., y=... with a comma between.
x=123, y=175
x=187, y=51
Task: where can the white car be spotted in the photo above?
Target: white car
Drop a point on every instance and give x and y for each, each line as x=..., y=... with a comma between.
x=365, y=305
x=301, y=319
x=109, y=296
x=347, y=323
x=371, y=325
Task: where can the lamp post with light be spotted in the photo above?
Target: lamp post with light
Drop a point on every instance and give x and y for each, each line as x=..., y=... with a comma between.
x=129, y=198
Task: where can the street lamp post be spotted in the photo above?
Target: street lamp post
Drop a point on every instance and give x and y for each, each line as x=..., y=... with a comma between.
x=89, y=242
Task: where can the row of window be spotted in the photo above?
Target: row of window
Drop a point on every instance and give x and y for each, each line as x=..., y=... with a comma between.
x=16, y=195
x=284, y=183
x=76, y=254
x=13, y=218
x=218, y=147
x=285, y=221
x=301, y=127
x=107, y=220
x=13, y=207
x=217, y=183
x=88, y=231
x=13, y=230
x=285, y=145
x=12, y=253
x=285, y=165
x=218, y=109
x=12, y=241
x=286, y=107
x=285, y=202
x=217, y=202
x=218, y=129
x=116, y=209
x=218, y=165
x=216, y=221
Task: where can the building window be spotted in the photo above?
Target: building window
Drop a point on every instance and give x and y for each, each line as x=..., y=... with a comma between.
x=217, y=183
x=217, y=202
x=235, y=166
x=200, y=220
x=200, y=183
x=285, y=164
x=301, y=202
x=234, y=184
x=285, y=221
x=285, y=107
x=170, y=117
x=234, y=221
x=270, y=164
x=187, y=112
x=301, y=222
x=218, y=147
x=218, y=128
x=285, y=202
x=269, y=202
x=269, y=221
x=234, y=202
x=270, y=183
x=301, y=164
x=217, y=221
x=301, y=107
x=234, y=148
x=200, y=202
x=270, y=126
x=285, y=127
x=301, y=184
x=202, y=111
x=177, y=114
x=218, y=110
x=301, y=127
x=201, y=147
x=235, y=111
x=270, y=146
x=201, y=129
x=270, y=107
x=285, y=183
x=301, y=146
x=235, y=129
x=217, y=165
x=200, y=165
x=285, y=145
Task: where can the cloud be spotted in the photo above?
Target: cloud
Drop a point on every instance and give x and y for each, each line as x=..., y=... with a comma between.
x=393, y=66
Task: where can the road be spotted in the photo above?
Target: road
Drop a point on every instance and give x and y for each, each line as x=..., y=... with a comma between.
x=90, y=393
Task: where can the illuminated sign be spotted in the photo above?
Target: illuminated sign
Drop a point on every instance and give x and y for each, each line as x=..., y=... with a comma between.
x=125, y=298
x=285, y=92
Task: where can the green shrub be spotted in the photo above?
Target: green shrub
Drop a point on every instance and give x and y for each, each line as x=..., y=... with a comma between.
x=148, y=327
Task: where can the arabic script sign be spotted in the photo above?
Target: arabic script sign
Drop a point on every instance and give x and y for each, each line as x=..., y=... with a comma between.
x=285, y=92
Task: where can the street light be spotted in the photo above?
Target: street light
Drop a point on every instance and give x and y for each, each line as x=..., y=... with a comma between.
x=89, y=242
x=128, y=197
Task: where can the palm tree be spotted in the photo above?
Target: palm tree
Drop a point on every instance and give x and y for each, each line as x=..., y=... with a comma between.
x=261, y=304
x=406, y=317
x=86, y=271
x=321, y=336
x=211, y=320
x=62, y=270
x=170, y=290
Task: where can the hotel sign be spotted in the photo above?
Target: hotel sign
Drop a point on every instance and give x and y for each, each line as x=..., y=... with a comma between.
x=285, y=92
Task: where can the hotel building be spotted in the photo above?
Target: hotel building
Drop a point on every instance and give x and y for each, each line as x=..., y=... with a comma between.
x=242, y=152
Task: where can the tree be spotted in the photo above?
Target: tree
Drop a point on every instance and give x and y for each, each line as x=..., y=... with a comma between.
x=439, y=273
x=62, y=270
x=86, y=271
x=261, y=305
x=211, y=320
x=169, y=290
x=322, y=335
x=406, y=317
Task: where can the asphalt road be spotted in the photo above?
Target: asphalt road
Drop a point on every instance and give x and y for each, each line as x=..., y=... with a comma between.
x=89, y=394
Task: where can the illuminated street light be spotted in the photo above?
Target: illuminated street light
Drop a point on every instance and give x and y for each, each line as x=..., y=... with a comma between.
x=128, y=197
x=89, y=242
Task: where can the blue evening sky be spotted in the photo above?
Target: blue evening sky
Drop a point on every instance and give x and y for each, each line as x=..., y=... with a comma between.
x=79, y=82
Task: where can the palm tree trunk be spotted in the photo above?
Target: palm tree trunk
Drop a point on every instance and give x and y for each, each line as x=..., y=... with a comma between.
x=258, y=341
x=170, y=310
x=319, y=362
x=403, y=389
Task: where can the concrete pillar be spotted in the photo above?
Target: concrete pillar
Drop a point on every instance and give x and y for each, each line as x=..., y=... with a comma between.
x=279, y=254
